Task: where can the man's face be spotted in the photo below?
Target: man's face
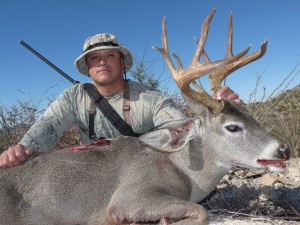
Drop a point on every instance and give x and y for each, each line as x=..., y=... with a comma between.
x=105, y=66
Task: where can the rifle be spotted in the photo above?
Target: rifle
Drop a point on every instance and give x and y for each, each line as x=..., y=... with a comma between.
x=49, y=63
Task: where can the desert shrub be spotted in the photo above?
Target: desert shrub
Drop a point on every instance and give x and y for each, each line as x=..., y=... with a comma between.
x=279, y=112
x=15, y=121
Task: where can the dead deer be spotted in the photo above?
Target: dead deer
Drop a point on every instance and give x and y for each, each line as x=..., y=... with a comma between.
x=157, y=178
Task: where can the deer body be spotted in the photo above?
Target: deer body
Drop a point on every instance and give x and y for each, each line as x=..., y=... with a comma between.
x=78, y=187
x=130, y=180
x=155, y=179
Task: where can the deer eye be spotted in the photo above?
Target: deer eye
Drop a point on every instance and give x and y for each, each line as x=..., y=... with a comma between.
x=233, y=128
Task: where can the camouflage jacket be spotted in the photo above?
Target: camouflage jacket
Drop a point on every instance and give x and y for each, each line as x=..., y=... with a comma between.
x=149, y=109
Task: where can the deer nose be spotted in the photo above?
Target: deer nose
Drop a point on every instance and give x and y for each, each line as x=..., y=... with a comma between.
x=284, y=151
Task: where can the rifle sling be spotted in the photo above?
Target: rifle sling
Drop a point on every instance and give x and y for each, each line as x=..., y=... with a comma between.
x=107, y=110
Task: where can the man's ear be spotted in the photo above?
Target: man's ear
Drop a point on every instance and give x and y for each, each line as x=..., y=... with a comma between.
x=123, y=63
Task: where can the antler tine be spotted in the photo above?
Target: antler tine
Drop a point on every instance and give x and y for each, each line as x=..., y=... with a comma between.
x=217, y=76
x=165, y=52
x=177, y=74
x=229, y=42
x=203, y=38
x=195, y=70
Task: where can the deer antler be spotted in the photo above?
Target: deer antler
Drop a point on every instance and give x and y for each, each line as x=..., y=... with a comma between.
x=217, y=76
x=196, y=70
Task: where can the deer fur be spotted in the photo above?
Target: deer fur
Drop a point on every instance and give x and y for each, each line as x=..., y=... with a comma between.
x=155, y=179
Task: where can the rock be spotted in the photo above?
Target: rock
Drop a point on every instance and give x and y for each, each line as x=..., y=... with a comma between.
x=278, y=185
x=254, y=174
x=258, y=195
x=221, y=186
x=269, y=180
x=293, y=173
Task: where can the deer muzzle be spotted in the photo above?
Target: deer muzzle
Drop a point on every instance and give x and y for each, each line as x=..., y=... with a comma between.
x=283, y=155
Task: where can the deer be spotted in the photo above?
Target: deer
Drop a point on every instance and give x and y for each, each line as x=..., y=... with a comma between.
x=157, y=178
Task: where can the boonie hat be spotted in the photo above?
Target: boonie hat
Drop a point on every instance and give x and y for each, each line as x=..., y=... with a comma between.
x=98, y=42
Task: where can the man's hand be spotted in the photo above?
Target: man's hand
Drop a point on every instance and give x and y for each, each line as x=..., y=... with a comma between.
x=227, y=94
x=14, y=156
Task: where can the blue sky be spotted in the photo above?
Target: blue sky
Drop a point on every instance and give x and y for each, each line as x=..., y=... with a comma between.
x=58, y=29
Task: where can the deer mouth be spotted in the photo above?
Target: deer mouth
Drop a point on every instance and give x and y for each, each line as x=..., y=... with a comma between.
x=272, y=162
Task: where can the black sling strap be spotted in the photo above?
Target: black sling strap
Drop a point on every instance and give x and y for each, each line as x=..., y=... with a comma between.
x=107, y=110
x=92, y=113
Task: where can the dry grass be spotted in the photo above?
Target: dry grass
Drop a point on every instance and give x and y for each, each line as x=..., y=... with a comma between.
x=279, y=112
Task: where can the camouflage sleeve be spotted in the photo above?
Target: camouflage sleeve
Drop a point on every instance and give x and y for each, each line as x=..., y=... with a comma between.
x=45, y=133
x=166, y=113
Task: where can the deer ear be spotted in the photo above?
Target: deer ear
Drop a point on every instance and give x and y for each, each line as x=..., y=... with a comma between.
x=170, y=139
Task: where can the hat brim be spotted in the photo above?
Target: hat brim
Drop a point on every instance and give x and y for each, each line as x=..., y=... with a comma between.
x=82, y=67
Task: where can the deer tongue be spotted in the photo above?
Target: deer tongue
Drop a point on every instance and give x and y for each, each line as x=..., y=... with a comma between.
x=276, y=162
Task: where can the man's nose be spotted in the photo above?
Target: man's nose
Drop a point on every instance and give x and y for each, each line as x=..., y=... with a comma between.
x=102, y=61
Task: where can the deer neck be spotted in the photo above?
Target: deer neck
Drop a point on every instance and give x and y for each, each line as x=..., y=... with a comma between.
x=198, y=161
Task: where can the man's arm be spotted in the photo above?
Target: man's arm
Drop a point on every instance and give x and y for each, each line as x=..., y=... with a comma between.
x=44, y=134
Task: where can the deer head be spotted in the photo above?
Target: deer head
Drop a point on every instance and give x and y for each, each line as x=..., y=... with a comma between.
x=217, y=71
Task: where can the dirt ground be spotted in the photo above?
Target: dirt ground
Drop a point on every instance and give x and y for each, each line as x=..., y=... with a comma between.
x=256, y=197
x=225, y=220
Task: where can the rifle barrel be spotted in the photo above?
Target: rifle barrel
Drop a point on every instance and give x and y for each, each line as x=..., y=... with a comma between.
x=49, y=63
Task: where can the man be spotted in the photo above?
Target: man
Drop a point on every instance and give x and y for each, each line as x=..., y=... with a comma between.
x=105, y=60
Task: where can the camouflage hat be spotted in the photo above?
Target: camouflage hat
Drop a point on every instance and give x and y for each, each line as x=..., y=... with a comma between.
x=102, y=41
